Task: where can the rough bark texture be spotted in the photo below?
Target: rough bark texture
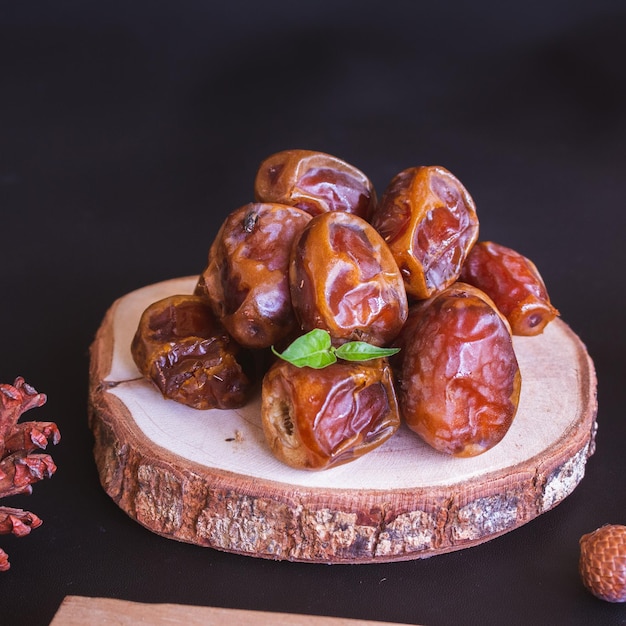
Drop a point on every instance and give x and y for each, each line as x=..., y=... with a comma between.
x=266, y=516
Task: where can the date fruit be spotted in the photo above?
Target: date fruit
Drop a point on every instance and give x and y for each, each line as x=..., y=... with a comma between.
x=602, y=563
x=314, y=181
x=345, y=280
x=460, y=382
x=514, y=284
x=318, y=418
x=429, y=221
x=246, y=280
x=189, y=356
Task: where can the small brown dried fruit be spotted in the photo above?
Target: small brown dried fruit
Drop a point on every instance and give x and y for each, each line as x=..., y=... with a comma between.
x=314, y=419
x=184, y=350
x=246, y=280
x=429, y=221
x=315, y=182
x=459, y=381
x=345, y=280
x=602, y=562
x=514, y=284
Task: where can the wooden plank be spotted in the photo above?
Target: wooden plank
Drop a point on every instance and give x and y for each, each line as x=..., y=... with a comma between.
x=79, y=610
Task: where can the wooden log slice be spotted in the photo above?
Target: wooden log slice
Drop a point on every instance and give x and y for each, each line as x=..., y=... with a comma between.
x=208, y=477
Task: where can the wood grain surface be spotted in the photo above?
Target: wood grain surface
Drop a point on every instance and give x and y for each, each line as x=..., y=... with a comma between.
x=208, y=478
x=78, y=611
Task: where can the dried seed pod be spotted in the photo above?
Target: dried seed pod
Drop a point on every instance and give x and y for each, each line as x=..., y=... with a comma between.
x=314, y=181
x=345, y=280
x=429, y=221
x=602, y=562
x=189, y=356
x=460, y=380
x=246, y=280
x=513, y=282
x=319, y=418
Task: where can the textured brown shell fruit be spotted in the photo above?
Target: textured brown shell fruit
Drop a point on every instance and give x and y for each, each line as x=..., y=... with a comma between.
x=603, y=562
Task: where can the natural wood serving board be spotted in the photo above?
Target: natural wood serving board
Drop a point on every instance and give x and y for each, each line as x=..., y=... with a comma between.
x=79, y=610
x=208, y=477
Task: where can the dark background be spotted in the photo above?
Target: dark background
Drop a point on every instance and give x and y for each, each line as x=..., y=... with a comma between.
x=128, y=130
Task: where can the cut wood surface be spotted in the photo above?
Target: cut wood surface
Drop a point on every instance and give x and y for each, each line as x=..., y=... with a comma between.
x=79, y=610
x=208, y=477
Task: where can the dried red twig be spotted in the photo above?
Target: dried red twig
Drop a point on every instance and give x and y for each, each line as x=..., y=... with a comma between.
x=20, y=466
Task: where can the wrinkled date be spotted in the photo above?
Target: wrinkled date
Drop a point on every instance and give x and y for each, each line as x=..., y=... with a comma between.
x=247, y=277
x=460, y=381
x=405, y=335
x=514, y=284
x=188, y=355
x=319, y=418
x=314, y=181
x=344, y=280
x=429, y=221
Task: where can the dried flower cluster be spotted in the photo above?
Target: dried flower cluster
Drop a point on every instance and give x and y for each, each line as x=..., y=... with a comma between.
x=20, y=464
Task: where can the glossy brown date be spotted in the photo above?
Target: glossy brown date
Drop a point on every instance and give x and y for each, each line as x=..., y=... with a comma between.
x=189, y=356
x=513, y=282
x=429, y=221
x=318, y=418
x=404, y=336
x=345, y=280
x=314, y=181
x=460, y=382
x=246, y=280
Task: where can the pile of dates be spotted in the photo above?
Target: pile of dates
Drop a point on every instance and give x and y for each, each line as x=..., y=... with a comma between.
x=417, y=313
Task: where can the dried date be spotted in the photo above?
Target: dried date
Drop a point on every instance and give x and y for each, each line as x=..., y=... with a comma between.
x=345, y=280
x=318, y=418
x=246, y=280
x=314, y=181
x=429, y=222
x=513, y=282
x=189, y=356
x=460, y=381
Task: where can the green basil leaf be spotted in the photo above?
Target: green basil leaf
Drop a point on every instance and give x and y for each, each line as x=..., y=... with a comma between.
x=318, y=360
x=312, y=349
x=362, y=351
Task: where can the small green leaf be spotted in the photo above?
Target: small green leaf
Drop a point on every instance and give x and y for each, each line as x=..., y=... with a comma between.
x=319, y=360
x=312, y=349
x=362, y=351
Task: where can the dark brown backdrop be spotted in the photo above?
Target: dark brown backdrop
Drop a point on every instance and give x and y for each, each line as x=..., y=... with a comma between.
x=129, y=130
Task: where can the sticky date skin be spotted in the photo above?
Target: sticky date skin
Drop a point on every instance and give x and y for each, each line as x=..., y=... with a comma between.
x=246, y=280
x=344, y=279
x=513, y=282
x=317, y=419
x=314, y=181
x=460, y=381
x=429, y=221
x=189, y=356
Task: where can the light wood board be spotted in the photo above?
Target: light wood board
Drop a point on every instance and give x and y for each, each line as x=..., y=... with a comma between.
x=208, y=477
x=79, y=610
